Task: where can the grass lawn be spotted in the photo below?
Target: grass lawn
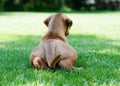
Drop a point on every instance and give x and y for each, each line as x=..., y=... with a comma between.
x=95, y=36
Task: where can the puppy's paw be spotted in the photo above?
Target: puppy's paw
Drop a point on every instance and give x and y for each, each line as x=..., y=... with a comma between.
x=36, y=62
x=39, y=63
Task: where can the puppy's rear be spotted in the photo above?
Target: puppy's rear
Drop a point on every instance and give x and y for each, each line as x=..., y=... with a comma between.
x=54, y=48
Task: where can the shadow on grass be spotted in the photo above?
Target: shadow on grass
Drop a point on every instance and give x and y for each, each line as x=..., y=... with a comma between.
x=98, y=56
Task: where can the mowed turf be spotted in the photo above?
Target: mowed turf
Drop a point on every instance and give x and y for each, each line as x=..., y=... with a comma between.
x=95, y=36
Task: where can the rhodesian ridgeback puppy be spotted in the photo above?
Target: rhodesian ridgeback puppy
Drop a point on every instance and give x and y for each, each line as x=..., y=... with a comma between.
x=54, y=49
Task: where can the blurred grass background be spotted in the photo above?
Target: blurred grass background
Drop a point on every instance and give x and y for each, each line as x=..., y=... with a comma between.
x=95, y=36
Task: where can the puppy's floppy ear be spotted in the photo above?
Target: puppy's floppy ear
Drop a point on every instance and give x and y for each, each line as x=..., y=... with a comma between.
x=68, y=23
x=46, y=21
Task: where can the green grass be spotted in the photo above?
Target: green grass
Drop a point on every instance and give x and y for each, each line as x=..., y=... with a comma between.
x=95, y=36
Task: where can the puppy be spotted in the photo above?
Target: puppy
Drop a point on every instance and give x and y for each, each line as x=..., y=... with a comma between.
x=54, y=49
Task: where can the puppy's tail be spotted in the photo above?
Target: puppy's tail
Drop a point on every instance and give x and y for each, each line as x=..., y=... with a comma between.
x=55, y=61
x=50, y=49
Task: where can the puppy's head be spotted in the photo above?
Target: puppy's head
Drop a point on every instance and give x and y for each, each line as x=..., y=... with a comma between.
x=59, y=20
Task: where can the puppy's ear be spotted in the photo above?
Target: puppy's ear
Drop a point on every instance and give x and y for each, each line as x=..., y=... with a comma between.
x=46, y=21
x=68, y=23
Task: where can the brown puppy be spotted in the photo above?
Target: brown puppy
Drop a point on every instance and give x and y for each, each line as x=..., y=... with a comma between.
x=54, y=48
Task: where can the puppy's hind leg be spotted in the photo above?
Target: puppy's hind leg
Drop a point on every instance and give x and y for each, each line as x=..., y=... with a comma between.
x=67, y=63
x=39, y=63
